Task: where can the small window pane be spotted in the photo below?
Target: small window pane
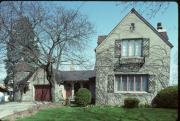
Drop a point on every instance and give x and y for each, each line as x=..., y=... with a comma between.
x=124, y=83
x=131, y=83
x=118, y=80
x=131, y=48
x=124, y=48
x=134, y=83
x=138, y=83
x=138, y=48
x=145, y=83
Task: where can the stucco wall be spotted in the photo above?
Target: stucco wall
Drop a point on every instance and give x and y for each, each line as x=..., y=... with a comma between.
x=105, y=61
x=39, y=78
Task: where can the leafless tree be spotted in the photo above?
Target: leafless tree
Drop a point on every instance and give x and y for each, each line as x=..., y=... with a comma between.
x=150, y=9
x=61, y=33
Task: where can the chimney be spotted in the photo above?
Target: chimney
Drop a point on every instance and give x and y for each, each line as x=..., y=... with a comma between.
x=101, y=39
x=159, y=26
x=162, y=31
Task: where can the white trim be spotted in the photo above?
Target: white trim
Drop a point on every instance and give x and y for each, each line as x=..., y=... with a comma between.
x=33, y=91
x=115, y=85
x=121, y=82
x=133, y=50
x=161, y=30
x=140, y=57
x=72, y=90
x=141, y=84
x=133, y=92
x=134, y=79
x=127, y=85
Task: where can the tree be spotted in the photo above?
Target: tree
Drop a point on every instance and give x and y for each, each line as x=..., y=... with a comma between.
x=150, y=9
x=21, y=38
x=60, y=34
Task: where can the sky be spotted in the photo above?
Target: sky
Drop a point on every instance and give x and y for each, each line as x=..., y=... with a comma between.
x=106, y=15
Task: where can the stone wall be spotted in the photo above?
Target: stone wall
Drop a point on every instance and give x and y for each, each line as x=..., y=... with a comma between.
x=157, y=63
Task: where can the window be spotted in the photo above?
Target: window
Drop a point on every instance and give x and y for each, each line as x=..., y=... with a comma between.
x=131, y=83
x=131, y=48
x=124, y=48
x=124, y=83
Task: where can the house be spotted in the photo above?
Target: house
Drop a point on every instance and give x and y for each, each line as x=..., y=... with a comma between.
x=32, y=85
x=133, y=60
x=3, y=93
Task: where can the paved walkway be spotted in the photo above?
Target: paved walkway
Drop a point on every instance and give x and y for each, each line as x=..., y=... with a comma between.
x=13, y=107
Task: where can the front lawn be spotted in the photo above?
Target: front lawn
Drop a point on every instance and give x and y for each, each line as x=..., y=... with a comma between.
x=103, y=114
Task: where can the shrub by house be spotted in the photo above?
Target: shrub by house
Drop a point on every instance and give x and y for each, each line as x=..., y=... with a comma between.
x=166, y=98
x=131, y=102
x=83, y=97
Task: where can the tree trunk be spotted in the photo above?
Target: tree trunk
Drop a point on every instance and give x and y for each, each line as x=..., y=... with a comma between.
x=51, y=80
x=17, y=96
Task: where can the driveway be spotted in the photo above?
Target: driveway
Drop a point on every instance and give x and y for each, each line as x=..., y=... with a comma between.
x=14, y=107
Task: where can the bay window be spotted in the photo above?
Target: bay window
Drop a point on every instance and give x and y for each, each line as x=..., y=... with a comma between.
x=131, y=83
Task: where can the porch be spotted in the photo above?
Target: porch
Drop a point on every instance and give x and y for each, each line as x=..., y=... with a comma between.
x=71, y=88
x=74, y=80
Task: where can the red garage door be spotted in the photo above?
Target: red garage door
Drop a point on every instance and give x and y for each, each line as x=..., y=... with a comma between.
x=42, y=93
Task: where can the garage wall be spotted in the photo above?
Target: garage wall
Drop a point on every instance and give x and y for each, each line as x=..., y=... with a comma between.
x=38, y=78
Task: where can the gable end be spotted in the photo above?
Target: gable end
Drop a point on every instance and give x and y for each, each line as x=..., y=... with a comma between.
x=150, y=26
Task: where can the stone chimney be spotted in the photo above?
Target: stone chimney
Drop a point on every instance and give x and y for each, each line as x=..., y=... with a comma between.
x=101, y=39
x=162, y=31
x=159, y=26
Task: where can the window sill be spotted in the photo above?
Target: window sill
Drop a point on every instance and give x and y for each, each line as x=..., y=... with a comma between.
x=126, y=57
x=126, y=60
x=131, y=92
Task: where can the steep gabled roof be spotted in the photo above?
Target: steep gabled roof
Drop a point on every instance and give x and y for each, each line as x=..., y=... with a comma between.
x=165, y=39
x=23, y=67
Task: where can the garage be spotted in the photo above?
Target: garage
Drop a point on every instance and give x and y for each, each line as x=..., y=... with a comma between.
x=42, y=92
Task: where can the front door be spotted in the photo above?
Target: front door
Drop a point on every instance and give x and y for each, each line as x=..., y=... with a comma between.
x=77, y=86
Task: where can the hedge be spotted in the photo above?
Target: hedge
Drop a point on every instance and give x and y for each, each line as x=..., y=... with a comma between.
x=166, y=98
x=131, y=102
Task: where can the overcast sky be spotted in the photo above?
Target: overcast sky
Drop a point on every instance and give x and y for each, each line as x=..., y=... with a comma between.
x=106, y=15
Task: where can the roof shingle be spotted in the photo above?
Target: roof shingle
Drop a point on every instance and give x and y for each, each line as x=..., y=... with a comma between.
x=82, y=75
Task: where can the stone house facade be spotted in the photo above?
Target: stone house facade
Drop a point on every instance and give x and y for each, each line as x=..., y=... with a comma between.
x=133, y=60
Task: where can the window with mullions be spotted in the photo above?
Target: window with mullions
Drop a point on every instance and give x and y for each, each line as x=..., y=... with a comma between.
x=131, y=83
x=131, y=48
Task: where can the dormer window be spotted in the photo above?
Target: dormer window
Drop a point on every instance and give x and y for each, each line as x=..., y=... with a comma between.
x=131, y=48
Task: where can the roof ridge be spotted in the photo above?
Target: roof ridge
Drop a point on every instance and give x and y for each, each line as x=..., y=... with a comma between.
x=133, y=10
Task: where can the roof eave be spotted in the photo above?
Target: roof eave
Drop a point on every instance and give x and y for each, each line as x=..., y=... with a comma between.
x=150, y=26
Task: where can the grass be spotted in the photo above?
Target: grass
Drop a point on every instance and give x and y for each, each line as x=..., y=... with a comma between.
x=107, y=113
